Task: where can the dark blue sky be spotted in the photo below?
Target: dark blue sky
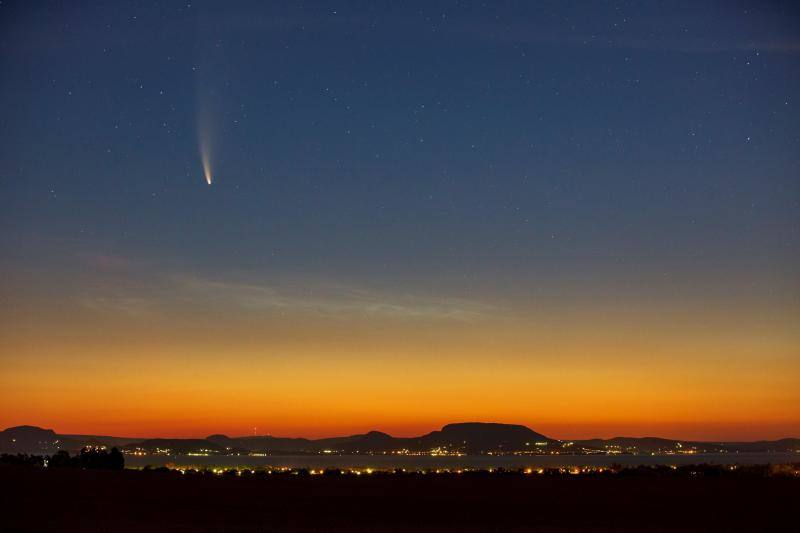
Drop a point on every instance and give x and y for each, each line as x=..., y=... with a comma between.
x=404, y=140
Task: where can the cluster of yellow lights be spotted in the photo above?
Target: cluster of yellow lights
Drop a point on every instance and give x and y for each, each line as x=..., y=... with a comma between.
x=366, y=471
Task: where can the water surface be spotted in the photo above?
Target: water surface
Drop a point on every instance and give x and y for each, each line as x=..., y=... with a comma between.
x=389, y=462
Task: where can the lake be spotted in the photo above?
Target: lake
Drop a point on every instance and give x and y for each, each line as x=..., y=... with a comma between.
x=389, y=462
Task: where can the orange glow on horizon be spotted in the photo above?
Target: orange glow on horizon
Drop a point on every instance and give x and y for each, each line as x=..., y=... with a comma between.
x=718, y=375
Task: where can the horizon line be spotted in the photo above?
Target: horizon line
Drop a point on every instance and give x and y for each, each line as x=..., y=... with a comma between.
x=364, y=432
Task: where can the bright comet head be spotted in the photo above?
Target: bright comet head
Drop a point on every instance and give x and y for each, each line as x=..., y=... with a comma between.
x=205, y=158
x=206, y=167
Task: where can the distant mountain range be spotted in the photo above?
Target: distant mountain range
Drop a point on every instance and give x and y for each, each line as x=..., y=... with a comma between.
x=465, y=438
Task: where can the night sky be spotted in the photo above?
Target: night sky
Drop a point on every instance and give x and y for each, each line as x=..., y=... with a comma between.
x=583, y=217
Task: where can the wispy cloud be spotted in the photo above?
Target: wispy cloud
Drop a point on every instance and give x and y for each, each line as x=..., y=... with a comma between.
x=328, y=299
x=309, y=297
x=118, y=303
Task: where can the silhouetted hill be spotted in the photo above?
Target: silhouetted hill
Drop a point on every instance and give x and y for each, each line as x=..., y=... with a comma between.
x=223, y=441
x=372, y=441
x=375, y=441
x=477, y=437
x=659, y=445
x=269, y=444
x=764, y=446
x=32, y=439
x=648, y=445
x=103, y=440
x=469, y=437
x=472, y=437
x=178, y=446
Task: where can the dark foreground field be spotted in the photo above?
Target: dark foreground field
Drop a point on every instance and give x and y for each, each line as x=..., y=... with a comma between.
x=85, y=500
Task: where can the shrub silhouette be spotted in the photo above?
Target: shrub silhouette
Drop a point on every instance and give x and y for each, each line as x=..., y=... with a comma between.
x=21, y=459
x=89, y=458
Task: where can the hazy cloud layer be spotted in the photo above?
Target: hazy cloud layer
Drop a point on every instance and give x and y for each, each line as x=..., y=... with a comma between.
x=313, y=297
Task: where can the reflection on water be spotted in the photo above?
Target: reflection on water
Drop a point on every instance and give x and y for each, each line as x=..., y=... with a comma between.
x=389, y=462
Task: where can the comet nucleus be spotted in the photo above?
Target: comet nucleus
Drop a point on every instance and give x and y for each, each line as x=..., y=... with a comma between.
x=205, y=158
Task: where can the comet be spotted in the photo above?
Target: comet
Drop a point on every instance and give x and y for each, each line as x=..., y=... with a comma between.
x=207, y=109
x=205, y=159
x=205, y=154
